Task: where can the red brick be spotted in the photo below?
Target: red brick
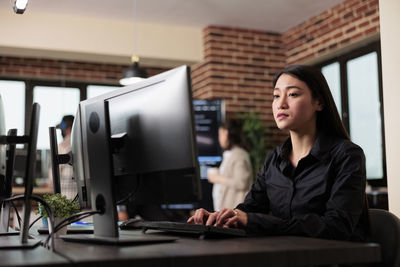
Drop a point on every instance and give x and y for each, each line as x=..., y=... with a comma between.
x=337, y=35
x=376, y=19
x=363, y=24
x=370, y=12
x=355, y=37
x=371, y=30
x=374, y=3
x=362, y=8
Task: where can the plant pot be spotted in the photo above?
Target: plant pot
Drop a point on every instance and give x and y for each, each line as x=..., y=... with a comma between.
x=62, y=231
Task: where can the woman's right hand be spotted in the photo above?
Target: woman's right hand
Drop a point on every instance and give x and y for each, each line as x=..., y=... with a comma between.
x=202, y=216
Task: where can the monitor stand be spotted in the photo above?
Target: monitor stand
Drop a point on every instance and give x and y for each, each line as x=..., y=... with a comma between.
x=23, y=240
x=13, y=240
x=4, y=217
x=5, y=206
x=102, y=187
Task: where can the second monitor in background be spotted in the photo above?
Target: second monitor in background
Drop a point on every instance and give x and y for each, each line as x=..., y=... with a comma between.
x=208, y=115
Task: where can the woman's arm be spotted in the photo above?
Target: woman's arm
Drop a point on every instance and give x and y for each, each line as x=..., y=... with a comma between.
x=343, y=208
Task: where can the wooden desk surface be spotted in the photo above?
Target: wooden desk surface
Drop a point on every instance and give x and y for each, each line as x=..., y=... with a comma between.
x=260, y=251
x=38, y=256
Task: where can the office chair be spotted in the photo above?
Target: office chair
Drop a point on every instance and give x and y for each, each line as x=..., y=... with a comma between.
x=385, y=230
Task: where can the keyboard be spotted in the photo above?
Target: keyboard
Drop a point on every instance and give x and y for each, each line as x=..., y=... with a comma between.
x=201, y=231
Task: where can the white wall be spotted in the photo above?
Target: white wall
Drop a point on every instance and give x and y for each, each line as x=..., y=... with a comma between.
x=390, y=43
x=96, y=39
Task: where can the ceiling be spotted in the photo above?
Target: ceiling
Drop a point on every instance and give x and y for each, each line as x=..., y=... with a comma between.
x=268, y=15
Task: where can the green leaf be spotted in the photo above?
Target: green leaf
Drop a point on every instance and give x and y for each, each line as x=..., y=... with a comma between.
x=255, y=134
x=60, y=205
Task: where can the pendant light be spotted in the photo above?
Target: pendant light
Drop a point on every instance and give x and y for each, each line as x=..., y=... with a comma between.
x=133, y=73
x=20, y=6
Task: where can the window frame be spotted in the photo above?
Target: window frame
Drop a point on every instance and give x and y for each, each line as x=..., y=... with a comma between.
x=31, y=83
x=342, y=60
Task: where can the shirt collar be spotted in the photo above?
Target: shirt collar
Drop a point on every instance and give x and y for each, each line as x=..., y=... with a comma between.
x=321, y=146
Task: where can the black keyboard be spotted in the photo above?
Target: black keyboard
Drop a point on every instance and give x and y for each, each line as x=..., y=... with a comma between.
x=202, y=231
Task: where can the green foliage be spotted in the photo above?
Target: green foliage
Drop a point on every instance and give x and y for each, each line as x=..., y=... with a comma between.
x=254, y=132
x=60, y=205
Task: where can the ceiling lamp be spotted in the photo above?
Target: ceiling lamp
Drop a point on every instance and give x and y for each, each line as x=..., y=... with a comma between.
x=20, y=6
x=134, y=73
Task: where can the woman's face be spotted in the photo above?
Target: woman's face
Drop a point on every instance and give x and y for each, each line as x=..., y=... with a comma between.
x=223, y=138
x=293, y=107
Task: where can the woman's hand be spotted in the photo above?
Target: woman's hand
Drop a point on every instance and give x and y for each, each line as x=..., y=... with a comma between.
x=231, y=218
x=216, y=179
x=202, y=216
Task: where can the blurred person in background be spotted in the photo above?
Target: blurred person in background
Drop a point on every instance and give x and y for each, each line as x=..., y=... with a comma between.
x=232, y=180
x=67, y=181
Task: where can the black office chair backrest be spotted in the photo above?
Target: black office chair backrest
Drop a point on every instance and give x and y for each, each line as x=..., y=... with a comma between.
x=385, y=230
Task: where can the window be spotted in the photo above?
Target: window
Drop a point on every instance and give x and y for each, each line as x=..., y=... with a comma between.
x=365, y=110
x=332, y=76
x=56, y=98
x=55, y=102
x=13, y=95
x=355, y=82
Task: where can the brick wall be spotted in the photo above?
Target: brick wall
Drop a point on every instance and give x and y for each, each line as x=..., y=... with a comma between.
x=239, y=66
x=48, y=69
x=341, y=26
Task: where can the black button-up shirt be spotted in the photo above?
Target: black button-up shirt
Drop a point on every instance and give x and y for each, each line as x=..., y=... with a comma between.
x=324, y=196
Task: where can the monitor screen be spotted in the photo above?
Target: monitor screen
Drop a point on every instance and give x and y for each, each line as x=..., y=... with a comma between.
x=208, y=115
x=41, y=165
x=140, y=138
x=2, y=149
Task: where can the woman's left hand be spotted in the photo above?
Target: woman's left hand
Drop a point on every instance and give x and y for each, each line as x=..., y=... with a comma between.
x=231, y=218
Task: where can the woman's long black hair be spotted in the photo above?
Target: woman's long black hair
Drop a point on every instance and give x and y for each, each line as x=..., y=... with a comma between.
x=328, y=119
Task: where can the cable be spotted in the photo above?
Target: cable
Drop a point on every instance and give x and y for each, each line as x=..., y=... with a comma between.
x=127, y=197
x=41, y=216
x=50, y=216
x=17, y=213
x=76, y=198
x=48, y=211
x=37, y=219
x=82, y=215
x=74, y=218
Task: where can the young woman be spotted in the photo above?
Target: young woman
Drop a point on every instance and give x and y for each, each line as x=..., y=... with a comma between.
x=314, y=183
x=234, y=177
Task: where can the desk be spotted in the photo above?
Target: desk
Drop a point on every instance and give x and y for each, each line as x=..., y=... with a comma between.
x=260, y=251
x=38, y=256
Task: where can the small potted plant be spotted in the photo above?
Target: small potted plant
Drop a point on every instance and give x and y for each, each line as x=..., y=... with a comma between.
x=62, y=208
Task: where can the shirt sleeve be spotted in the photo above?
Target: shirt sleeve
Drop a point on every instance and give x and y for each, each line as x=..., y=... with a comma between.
x=257, y=200
x=343, y=208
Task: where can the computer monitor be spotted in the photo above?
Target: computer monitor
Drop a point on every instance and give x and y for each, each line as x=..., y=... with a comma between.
x=31, y=141
x=208, y=114
x=2, y=148
x=6, y=185
x=140, y=137
x=4, y=214
x=21, y=157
